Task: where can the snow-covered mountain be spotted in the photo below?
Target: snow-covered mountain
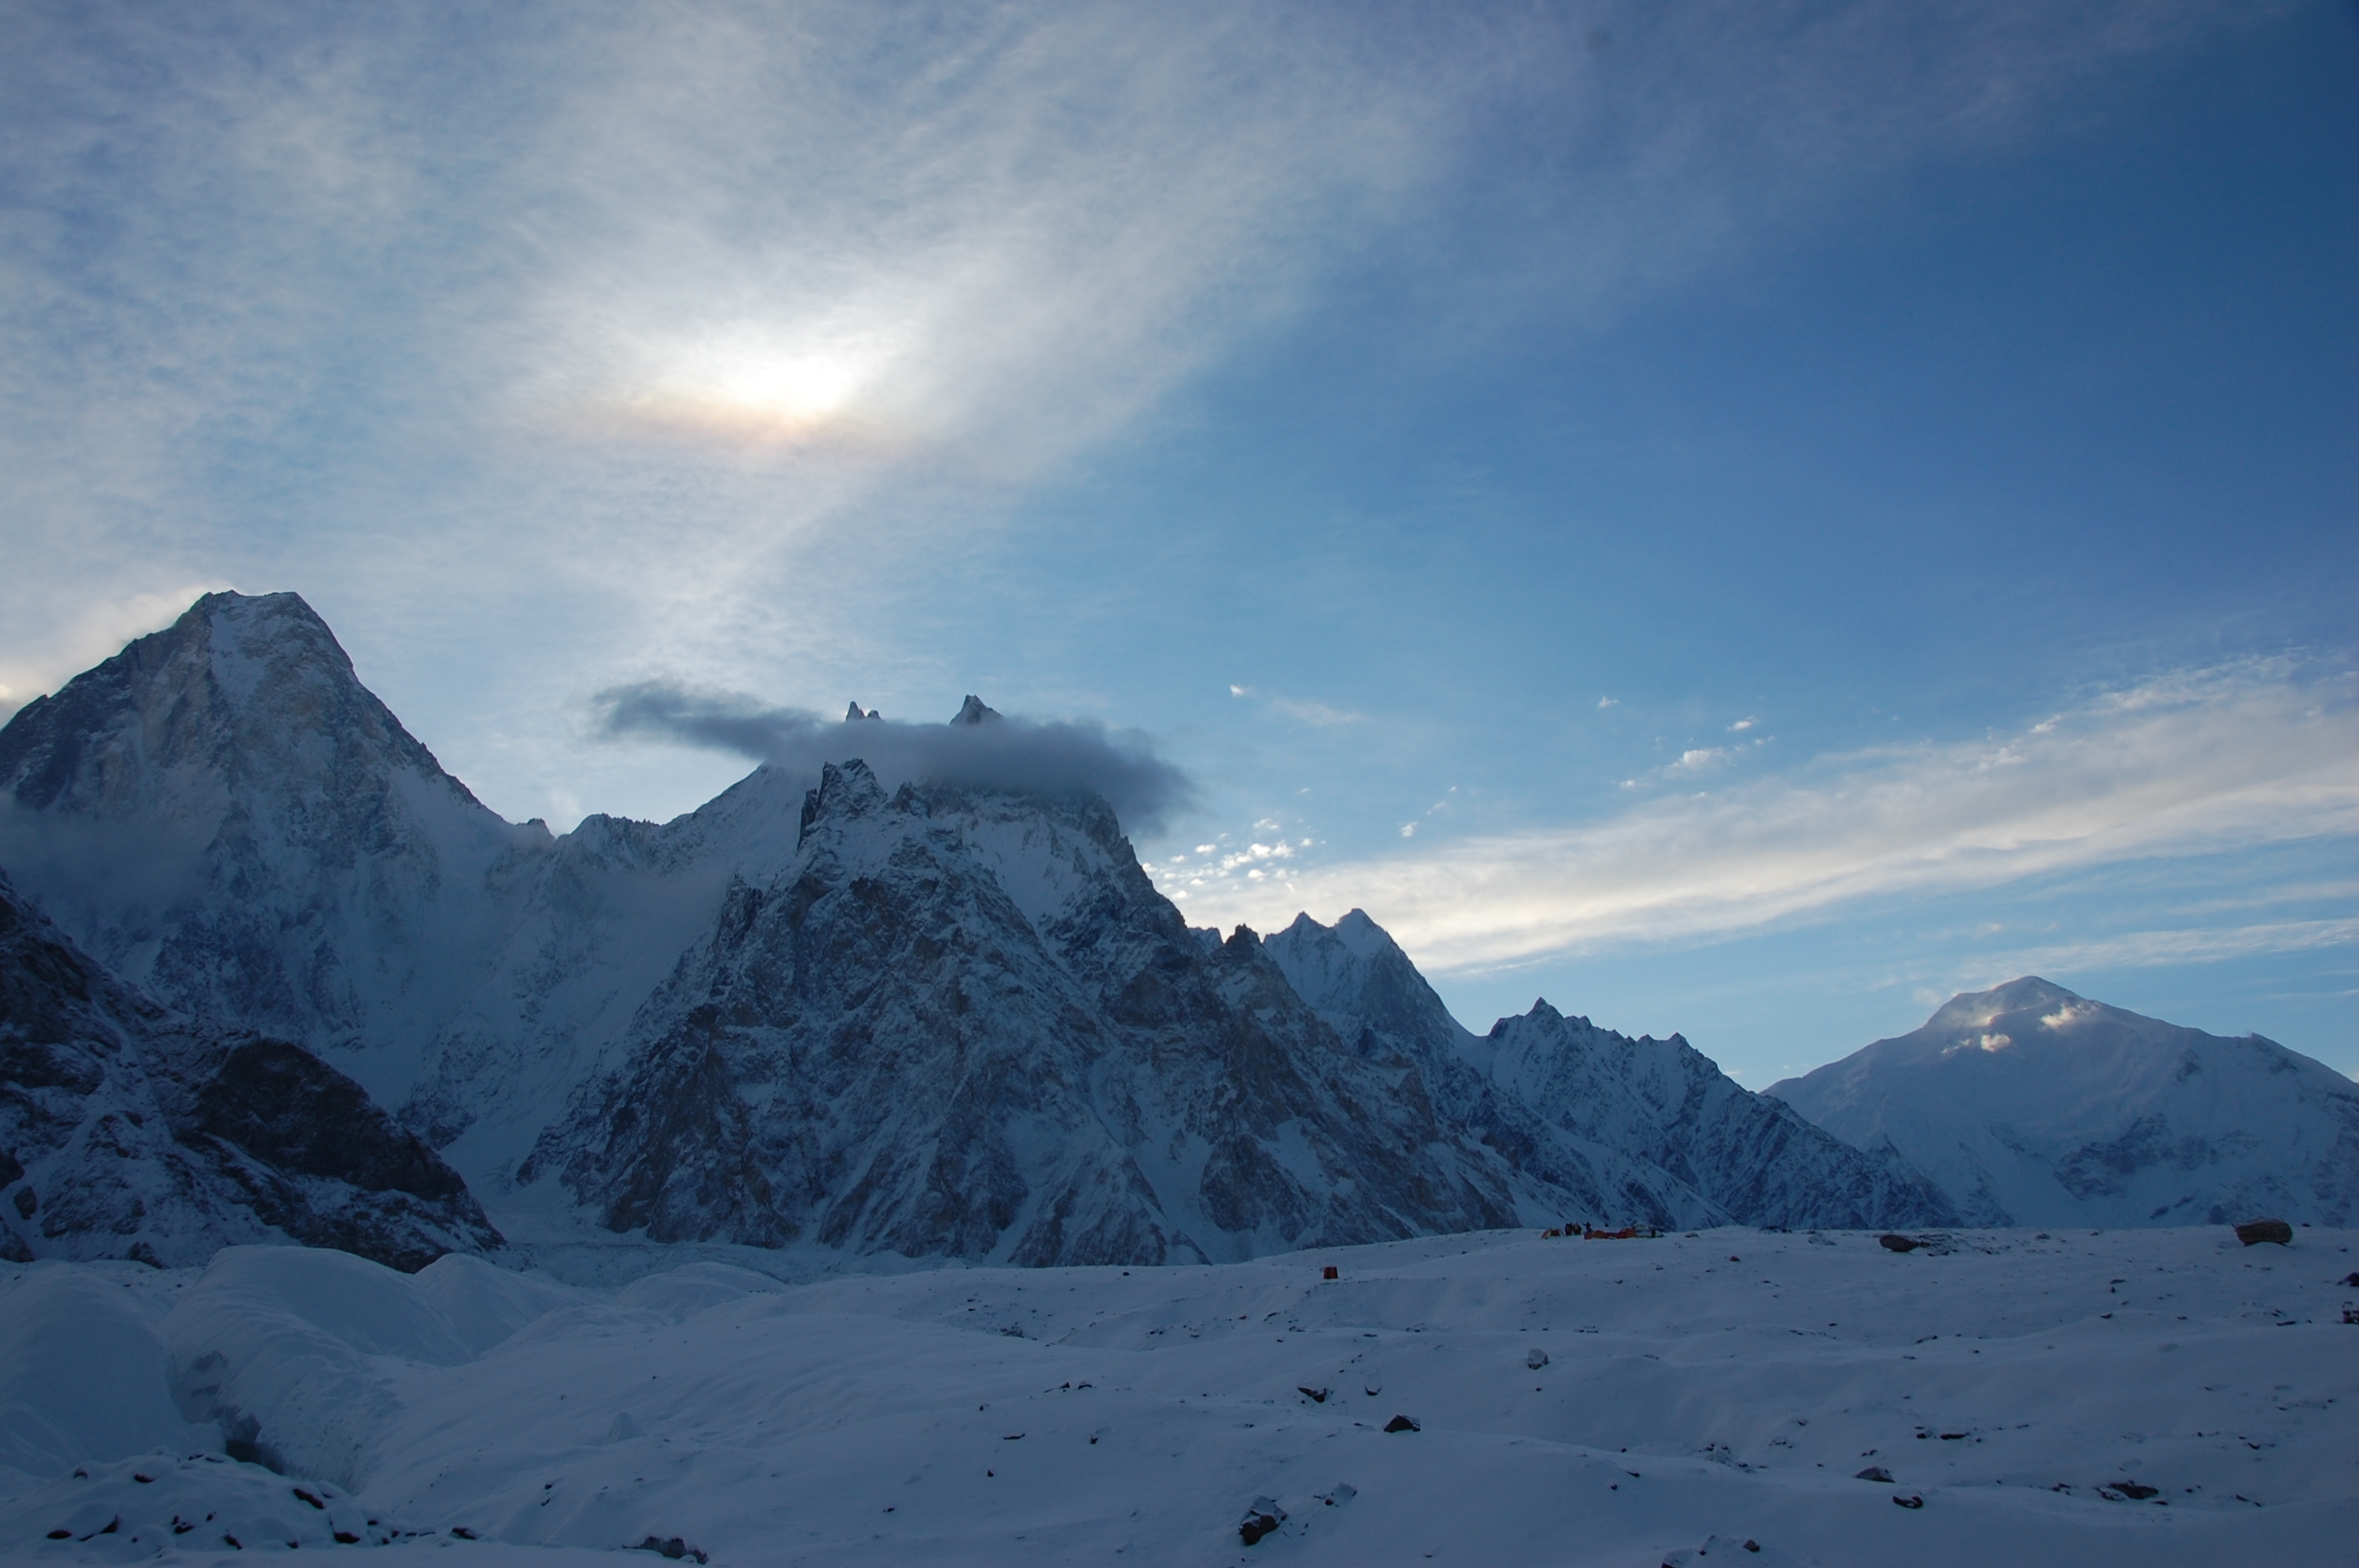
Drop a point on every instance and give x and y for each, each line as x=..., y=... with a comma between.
x=941, y=1020
x=128, y=1132
x=963, y=1022
x=223, y=815
x=2033, y=1106
x=1647, y=1129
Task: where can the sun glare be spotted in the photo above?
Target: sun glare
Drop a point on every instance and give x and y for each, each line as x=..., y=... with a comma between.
x=751, y=383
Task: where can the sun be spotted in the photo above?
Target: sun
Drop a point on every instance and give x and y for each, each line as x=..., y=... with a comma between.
x=759, y=384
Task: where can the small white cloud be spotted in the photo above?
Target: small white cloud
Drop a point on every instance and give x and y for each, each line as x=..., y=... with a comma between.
x=1609, y=702
x=1408, y=829
x=1206, y=849
x=1317, y=713
x=1235, y=690
x=1743, y=724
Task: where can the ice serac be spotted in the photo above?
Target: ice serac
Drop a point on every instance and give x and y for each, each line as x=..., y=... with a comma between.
x=2033, y=1106
x=127, y=1132
x=964, y=1023
x=1603, y=1125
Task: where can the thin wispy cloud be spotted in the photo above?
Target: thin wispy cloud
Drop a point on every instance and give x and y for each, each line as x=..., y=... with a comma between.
x=1301, y=710
x=646, y=305
x=2148, y=949
x=2192, y=762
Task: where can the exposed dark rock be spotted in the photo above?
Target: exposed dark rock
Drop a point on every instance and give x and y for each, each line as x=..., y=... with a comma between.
x=884, y=1050
x=1899, y=1243
x=2253, y=1232
x=157, y=1140
x=1402, y=1424
x=1911, y=1502
x=1875, y=1473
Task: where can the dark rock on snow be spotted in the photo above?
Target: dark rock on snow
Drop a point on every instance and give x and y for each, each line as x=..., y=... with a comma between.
x=133, y=1133
x=2253, y=1232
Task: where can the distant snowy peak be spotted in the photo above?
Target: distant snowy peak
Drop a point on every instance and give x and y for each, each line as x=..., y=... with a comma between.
x=2033, y=1105
x=974, y=710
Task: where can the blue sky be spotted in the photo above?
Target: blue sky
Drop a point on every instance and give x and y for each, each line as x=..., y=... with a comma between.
x=1741, y=519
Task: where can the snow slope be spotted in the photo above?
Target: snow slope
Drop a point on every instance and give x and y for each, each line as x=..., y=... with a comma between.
x=1606, y=1126
x=1576, y=1402
x=128, y=1132
x=2033, y=1106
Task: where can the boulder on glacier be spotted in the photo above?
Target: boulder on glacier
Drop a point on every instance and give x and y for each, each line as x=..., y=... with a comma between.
x=128, y=1132
x=964, y=1022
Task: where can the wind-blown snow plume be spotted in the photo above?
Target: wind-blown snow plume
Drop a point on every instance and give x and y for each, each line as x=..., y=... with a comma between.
x=981, y=747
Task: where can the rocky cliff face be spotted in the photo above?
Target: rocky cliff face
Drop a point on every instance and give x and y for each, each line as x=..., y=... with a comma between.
x=2036, y=1106
x=1643, y=1130
x=128, y=1132
x=965, y=1023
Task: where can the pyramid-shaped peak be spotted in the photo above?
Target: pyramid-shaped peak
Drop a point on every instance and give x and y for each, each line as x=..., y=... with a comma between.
x=1972, y=1009
x=855, y=713
x=974, y=710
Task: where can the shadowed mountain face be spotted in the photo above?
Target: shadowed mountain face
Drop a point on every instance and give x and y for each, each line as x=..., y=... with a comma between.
x=1605, y=1125
x=2036, y=1106
x=128, y=1132
x=964, y=1022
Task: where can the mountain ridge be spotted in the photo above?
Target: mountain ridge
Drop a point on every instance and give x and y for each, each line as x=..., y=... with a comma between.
x=945, y=1020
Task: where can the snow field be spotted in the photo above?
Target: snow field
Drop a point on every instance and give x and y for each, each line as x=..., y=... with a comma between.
x=1713, y=1389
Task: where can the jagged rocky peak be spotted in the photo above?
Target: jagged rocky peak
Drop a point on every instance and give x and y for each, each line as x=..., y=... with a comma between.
x=855, y=713
x=1365, y=987
x=974, y=711
x=1598, y=1125
x=964, y=1022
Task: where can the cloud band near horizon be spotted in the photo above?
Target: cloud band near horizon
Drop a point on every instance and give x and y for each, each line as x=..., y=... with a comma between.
x=2192, y=762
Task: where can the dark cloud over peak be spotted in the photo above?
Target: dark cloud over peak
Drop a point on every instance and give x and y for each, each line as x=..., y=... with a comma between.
x=980, y=746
